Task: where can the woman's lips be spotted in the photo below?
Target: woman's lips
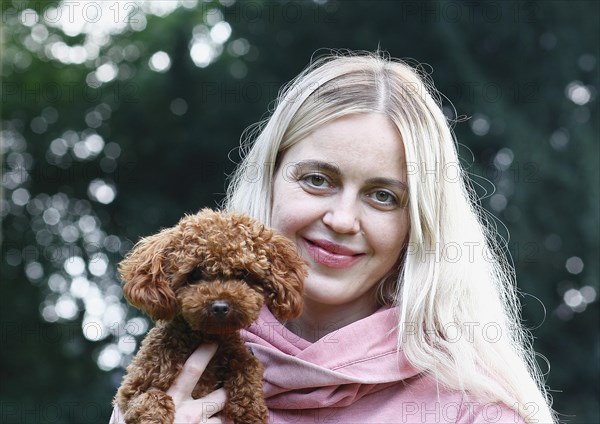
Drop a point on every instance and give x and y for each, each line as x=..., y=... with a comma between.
x=330, y=254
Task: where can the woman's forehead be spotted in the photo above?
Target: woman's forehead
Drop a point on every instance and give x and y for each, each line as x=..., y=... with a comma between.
x=358, y=141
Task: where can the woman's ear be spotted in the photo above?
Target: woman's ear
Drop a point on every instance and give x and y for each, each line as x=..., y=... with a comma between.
x=144, y=273
x=284, y=280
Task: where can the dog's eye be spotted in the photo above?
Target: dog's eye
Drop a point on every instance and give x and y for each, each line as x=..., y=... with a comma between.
x=196, y=274
x=251, y=279
x=244, y=276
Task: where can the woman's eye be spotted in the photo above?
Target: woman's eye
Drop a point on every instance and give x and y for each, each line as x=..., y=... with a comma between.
x=315, y=180
x=384, y=197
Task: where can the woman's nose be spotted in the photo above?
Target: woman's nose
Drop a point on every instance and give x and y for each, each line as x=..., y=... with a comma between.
x=343, y=216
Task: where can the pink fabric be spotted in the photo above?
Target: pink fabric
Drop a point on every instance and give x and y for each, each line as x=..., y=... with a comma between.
x=355, y=375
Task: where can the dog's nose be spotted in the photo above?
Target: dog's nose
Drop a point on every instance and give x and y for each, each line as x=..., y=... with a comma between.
x=220, y=308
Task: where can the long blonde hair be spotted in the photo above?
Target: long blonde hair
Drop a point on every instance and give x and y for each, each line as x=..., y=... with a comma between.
x=458, y=311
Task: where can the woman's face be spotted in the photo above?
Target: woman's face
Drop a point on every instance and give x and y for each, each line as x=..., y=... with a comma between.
x=340, y=194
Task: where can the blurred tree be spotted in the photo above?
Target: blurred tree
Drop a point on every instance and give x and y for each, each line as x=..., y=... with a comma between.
x=118, y=117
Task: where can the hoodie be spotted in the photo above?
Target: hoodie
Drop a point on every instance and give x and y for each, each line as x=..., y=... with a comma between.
x=355, y=375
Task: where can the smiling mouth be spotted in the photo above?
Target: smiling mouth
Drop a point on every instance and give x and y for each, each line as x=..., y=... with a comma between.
x=331, y=255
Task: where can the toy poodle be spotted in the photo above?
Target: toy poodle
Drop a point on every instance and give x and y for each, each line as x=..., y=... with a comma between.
x=202, y=281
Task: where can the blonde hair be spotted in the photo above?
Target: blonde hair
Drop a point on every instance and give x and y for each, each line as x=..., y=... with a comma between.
x=454, y=284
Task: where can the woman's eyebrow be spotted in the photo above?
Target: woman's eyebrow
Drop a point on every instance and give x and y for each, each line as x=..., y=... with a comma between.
x=389, y=182
x=317, y=165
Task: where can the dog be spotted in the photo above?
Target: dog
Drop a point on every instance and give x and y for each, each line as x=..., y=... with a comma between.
x=202, y=281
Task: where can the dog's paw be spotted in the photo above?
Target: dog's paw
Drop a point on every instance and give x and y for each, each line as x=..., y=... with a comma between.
x=256, y=413
x=152, y=407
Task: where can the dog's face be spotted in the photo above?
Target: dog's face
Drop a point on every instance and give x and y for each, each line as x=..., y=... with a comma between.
x=215, y=270
x=217, y=303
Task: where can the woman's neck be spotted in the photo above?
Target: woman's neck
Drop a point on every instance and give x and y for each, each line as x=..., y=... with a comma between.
x=318, y=320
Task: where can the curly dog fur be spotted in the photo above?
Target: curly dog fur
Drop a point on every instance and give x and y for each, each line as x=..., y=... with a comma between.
x=202, y=281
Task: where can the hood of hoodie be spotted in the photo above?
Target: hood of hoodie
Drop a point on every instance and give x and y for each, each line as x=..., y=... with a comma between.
x=335, y=371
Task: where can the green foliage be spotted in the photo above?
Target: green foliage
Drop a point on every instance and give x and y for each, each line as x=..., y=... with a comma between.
x=140, y=147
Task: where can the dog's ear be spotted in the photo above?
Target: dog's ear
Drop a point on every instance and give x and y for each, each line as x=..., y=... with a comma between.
x=146, y=283
x=284, y=279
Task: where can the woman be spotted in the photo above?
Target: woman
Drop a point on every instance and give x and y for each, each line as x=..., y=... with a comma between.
x=411, y=314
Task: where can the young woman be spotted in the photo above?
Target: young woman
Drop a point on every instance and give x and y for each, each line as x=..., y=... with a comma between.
x=410, y=314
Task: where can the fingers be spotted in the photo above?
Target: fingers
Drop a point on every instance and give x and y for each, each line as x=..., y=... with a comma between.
x=192, y=371
x=211, y=403
x=213, y=420
x=202, y=410
x=116, y=417
x=190, y=410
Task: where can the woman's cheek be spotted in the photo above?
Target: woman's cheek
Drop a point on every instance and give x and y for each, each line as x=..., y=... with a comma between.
x=284, y=218
x=291, y=209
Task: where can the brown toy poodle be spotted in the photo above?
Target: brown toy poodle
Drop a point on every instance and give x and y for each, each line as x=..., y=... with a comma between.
x=202, y=281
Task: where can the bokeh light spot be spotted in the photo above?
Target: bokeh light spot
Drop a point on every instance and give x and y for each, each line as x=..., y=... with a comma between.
x=160, y=62
x=574, y=265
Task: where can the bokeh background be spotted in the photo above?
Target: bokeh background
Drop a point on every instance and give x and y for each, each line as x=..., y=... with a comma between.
x=120, y=116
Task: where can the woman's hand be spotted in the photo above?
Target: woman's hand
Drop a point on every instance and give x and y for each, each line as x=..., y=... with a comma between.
x=187, y=409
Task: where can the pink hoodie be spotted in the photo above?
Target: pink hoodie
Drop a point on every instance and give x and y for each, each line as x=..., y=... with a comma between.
x=355, y=375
